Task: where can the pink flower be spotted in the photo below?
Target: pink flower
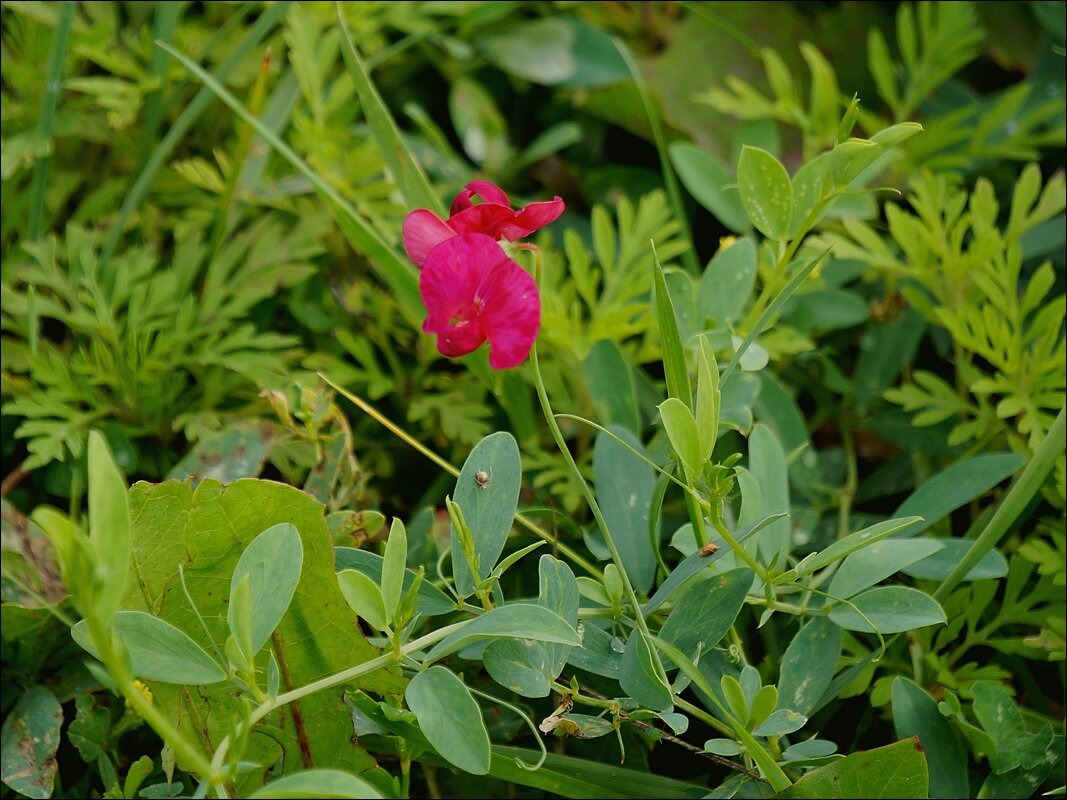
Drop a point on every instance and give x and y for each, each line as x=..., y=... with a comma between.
x=493, y=217
x=474, y=292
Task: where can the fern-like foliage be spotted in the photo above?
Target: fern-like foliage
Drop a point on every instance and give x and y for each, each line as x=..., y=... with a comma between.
x=606, y=294
x=149, y=346
x=964, y=273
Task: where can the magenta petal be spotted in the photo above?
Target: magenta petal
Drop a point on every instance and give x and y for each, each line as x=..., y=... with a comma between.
x=531, y=218
x=487, y=218
x=450, y=285
x=511, y=316
x=489, y=192
x=423, y=231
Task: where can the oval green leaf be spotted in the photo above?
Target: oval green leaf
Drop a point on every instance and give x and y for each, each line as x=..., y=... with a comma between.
x=317, y=783
x=158, y=651
x=890, y=609
x=488, y=505
x=272, y=561
x=766, y=193
x=450, y=719
x=519, y=620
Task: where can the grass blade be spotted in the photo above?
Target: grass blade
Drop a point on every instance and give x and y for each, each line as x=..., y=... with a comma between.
x=399, y=162
x=262, y=26
x=56, y=58
x=395, y=271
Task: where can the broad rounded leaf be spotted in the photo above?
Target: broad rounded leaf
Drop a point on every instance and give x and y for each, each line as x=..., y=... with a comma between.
x=317, y=783
x=450, y=718
x=30, y=741
x=488, y=505
x=766, y=192
x=272, y=561
x=890, y=609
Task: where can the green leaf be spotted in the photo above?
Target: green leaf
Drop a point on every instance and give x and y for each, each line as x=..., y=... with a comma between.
x=393, y=568
x=1003, y=720
x=363, y=596
x=956, y=486
x=557, y=51
x=780, y=722
x=611, y=386
x=890, y=609
x=766, y=192
x=852, y=543
x=710, y=183
x=432, y=601
x=29, y=743
x=109, y=525
x=135, y=775
x=238, y=452
x=401, y=165
x=808, y=665
x=768, y=467
x=707, y=609
x=488, y=509
x=158, y=650
x=518, y=620
x=762, y=705
x=915, y=713
x=682, y=432
x=896, y=771
x=638, y=676
x=206, y=531
x=316, y=783
x=825, y=310
x=726, y=286
x=273, y=562
x=444, y=708
x=940, y=564
x=558, y=593
x=479, y=124
x=598, y=653
x=624, y=485
x=520, y=665
x=876, y=562
x=674, y=363
x=708, y=400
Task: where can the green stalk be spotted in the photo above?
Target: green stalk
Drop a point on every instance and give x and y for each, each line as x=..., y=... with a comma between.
x=1022, y=490
x=117, y=666
x=670, y=182
x=262, y=26
x=54, y=74
x=166, y=20
x=616, y=557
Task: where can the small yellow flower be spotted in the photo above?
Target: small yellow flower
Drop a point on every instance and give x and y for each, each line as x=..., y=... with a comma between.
x=726, y=242
x=144, y=690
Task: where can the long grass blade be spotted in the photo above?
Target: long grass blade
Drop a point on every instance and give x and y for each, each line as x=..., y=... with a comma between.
x=56, y=57
x=270, y=17
x=399, y=162
x=394, y=270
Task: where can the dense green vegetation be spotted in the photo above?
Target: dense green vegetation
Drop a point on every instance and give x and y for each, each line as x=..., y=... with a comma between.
x=722, y=456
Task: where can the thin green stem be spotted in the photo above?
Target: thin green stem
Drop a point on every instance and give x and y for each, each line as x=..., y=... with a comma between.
x=741, y=552
x=53, y=75
x=418, y=446
x=609, y=540
x=185, y=751
x=670, y=182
